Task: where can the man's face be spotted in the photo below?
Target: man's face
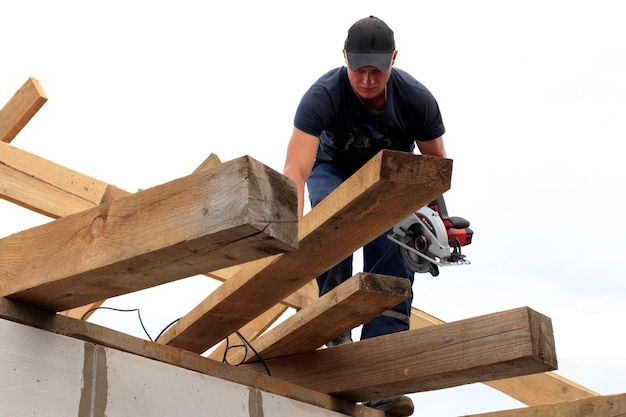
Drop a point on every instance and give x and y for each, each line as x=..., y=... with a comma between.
x=369, y=82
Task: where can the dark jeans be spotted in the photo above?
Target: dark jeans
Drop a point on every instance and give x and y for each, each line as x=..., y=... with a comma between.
x=381, y=256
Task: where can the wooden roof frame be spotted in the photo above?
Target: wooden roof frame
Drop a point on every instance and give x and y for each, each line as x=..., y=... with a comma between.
x=52, y=191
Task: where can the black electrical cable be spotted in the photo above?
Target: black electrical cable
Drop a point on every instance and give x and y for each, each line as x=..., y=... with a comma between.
x=166, y=327
x=245, y=344
x=123, y=311
x=228, y=347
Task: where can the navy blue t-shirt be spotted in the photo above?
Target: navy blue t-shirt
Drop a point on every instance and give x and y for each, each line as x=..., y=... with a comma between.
x=350, y=133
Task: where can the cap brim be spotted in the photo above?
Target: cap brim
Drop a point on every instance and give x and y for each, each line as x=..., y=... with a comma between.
x=357, y=60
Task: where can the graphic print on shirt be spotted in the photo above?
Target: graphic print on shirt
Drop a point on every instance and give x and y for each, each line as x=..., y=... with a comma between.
x=362, y=138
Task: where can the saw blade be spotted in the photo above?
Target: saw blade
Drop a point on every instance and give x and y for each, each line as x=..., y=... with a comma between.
x=414, y=251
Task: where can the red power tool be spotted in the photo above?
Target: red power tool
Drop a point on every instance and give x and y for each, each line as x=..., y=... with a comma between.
x=429, y=238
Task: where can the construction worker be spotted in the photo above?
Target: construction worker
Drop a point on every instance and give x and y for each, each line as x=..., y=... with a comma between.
x=346, y=117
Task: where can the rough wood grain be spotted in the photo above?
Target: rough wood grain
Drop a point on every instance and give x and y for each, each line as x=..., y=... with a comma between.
x=535, y=389
x=48, y=188
x=500, y=345
x=354, y=302
x=300, y=298
x=238, y=212
x=24, y=104
x=386, y=190
x=600, y=406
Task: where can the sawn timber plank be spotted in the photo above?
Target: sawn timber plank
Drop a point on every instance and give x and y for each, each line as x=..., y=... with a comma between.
x=356, y=301
x=536, y=389
x=208, y=220
x=599, y=406
x=24, y=104
x=499, y=345
x=387, y=189
x=49, y=188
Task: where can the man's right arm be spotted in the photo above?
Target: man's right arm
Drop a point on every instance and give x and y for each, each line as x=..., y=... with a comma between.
x=301, y=153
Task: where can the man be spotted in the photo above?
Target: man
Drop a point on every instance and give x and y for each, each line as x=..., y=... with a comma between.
x=345, y=118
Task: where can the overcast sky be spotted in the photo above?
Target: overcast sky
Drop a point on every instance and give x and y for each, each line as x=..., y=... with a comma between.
x=533, y=95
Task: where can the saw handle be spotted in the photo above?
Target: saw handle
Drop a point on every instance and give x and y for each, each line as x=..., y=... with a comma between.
x=457, y=227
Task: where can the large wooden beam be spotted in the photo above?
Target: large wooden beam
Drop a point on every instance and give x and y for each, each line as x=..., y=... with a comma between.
x=600, y=406
x=535, y=389
x=500, y=345
x=354, y=302
x=20, y=109
x=390, y=187
x=208, y=220
x=38, y=184
x=56, y=191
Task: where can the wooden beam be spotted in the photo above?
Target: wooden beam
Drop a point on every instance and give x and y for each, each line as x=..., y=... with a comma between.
x=386, y=190
x=212, y=161
x=354, y=302
x=48, y=188
x=20, y=109
x=300, y=298
x=31, y=316
x=56, y=191
x=52, y=190
x=500, y=345
x=208, y=220
x=536, y=389
x=601, y=406
x=544, y=388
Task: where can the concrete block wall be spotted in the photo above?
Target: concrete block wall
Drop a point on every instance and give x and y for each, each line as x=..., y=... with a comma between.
x=45, y=374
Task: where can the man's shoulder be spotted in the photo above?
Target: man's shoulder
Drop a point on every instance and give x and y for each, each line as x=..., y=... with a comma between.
x=404, y=78
x=407, y=85
x=331, y=78
x=327, y=87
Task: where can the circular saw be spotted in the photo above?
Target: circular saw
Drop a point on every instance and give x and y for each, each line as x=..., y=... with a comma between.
x=429, y=238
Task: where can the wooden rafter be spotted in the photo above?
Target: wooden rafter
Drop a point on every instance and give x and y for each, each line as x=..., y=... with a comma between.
x=354, y=302
x=536, y=389
x=598, y=406
x=20, y=109
x=49, y=189
x=499, y=345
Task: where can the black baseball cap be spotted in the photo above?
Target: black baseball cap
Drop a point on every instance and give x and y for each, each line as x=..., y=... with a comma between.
x=370, y=43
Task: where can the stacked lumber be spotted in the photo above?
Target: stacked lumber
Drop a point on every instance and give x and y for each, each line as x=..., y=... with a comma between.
x=236, y=221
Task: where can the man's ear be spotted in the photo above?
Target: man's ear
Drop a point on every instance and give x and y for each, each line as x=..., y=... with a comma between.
x=393, y=57
x=345, y=57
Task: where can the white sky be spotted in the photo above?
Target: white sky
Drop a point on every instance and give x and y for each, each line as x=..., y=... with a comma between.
x=533, y=95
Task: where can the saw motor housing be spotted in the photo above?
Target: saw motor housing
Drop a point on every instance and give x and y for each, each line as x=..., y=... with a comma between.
x=429, y=238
